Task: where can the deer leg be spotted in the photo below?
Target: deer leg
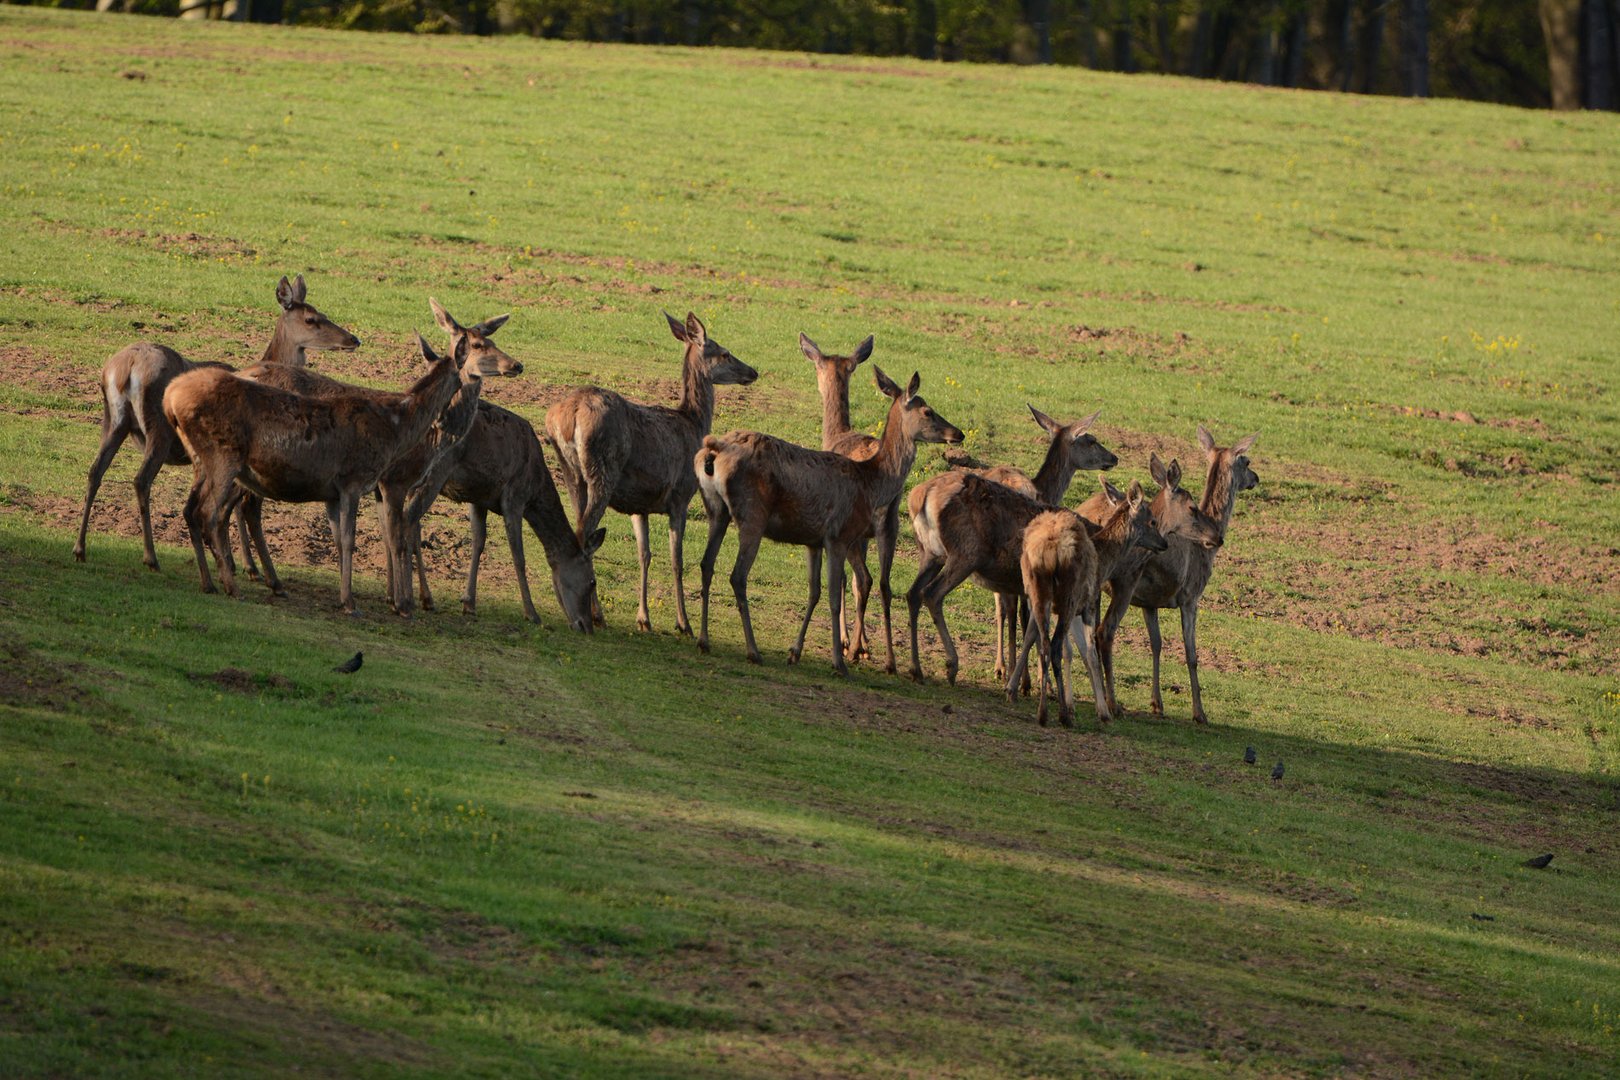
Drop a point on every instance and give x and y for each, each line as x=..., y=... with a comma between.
x=1189, y=645
x=862, y=589
x=1002, y=667
x=1085, y=640
x=248, y=514
x=194, y=526
x=677, y=562
x=638, y=525
x=1031, y=631
x=719, y=521
x=1119, y=603
x=217, y=520
x=414, y=558
x=513, y=513
x=812, y=558
x=886, y=545
x=592, y=504
x=1150, y=616
x=469, y=596
x=952, y=574
x=158, y=445
x=925, y=577
x=747, y=549
x=348, y=508
x=835, y=600
x=245, y=538
x=112, y=437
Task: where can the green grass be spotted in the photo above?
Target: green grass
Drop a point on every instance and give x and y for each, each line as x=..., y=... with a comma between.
x=506, y=849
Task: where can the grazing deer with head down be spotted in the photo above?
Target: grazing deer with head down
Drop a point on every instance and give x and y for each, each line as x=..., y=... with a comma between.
x=637, y=458
x=243, y=436
x=1177, y=577
x=473, y=344
x=132, y=385
x=823, y=501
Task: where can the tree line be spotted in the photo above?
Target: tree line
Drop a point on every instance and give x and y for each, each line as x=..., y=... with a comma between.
x=1562, y=54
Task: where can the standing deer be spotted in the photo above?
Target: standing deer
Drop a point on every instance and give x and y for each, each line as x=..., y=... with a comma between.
x=823, y=501
x=408, y=469
x=243, y=436
x=637, y=458
x=1177, y=577
x=1056, y=564
x=132, y=385
x=499, y=467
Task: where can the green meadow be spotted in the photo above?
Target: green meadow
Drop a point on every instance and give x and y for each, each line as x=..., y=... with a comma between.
x=506, y=849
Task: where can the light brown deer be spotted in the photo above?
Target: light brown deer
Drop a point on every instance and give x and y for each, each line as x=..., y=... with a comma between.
x=243, y=436
x=1177, y=577
x=821, y=500
x=1056, y=564
x=499, y=467
x=1069, y=449
x=407, y=470
x=132, y=385
x=637, y=459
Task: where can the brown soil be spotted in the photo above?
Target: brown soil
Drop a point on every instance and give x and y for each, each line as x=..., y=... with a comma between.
x=29, y=680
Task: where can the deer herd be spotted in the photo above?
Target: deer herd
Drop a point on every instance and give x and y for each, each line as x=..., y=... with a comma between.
x=278, y=430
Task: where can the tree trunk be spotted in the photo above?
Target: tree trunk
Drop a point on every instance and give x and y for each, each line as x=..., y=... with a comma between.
x=1347, y=47
x=1198, y=63
x=1599, y=59
x=1294, y=70
x=924, y=29
x=1088, y=36
x=1374, y=35
x=1265, y=65
x=1124, y=49
x=1560, y=23
x=1415, y=48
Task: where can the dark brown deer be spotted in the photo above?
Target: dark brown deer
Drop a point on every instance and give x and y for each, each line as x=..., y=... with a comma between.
x=637, y=459
x=499, y=467
x=1177, y=576
x=132, y=385
x=244, y=436
x=408, y=469
x=821, y=500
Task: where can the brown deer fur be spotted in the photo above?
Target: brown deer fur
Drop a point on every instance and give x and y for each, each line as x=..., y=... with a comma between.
x=243, y=436
x=1056, y=564
x=637, y=459
x=822, y=500
x=132, y=385
x=1177, y=576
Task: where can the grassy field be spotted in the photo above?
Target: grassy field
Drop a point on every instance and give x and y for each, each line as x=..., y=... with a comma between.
x=503, y=849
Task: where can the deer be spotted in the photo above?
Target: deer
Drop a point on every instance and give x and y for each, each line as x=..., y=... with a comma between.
x=637, y=459
x=1069, y=450
x=408, y=469
x=243, y=436
x=499, y=466
x=1056, y=564
x=132, y=385
x=1177, y=576
x=821, y=500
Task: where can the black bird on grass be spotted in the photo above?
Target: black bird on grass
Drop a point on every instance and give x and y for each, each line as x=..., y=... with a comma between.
x=1249, y=755
x=1539, y=862
x=351, y=665
x=1277, y=771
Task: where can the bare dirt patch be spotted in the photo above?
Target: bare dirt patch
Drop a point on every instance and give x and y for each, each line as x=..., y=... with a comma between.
x=29, y=680
x=48, y=374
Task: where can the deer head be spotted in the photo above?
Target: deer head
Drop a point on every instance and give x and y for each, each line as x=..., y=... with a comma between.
x=1144, y=533
x=834, y=372
x=574, y=581
x=1176, y=513
x=303, y=327
x=714, y=359
x=919, y=422
x=1234, y=460
x=487, y=355
x=1080, y=450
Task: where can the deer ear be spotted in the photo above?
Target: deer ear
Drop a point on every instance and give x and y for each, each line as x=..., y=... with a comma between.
x=676, y=327
x=695, y=333
x=1135, y=494
x=863, y=351
x=489, y=326
x=427, y=350
x=1156, y=470
x=446, y=321
x=1172, y=475
x=1049, y=425
x=462, y=345
x=1205, y=439
x=595, y=541
x=915, y=384
x=284, y=293
x=1079, y=427
x=810, y=349
x=1242, y=446
x=1115, y=496
x=299, y=289
x=887, y=385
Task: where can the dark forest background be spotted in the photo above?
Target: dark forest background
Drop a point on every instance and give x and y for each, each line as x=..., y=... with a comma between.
x=1562, y=54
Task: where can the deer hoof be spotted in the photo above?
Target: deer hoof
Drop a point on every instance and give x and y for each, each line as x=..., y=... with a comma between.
x=950, y=675
x=683, y=629
x=793, y=657
x=469, y=608
x=78, y=554
x=1042, y=717
x=890, y=669
x=210, y=588
x=1200, y=718
x=150, y=564
x=916, y=675
x=755, y=658
x=841, y=670
x=703, y=645
x=1156, y=708
x=426, y=603
x=643, y=625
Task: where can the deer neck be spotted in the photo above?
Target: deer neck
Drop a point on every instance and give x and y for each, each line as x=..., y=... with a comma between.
x=1055, y=474
x=1112, y=537
x=282, y=348
x=896, y=452
x=697, y=392
x=834, y=408
x=1219, y=495
x=424, y=403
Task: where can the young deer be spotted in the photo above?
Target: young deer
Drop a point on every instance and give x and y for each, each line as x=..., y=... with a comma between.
x=407, y=470
x=499, y=467
x=637, y=458
x=833, y=374
x=1068, y=450
x=1056, y=565
x=132, y=385
x=242, y=436
x=822, y=500
x=1177, y=577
